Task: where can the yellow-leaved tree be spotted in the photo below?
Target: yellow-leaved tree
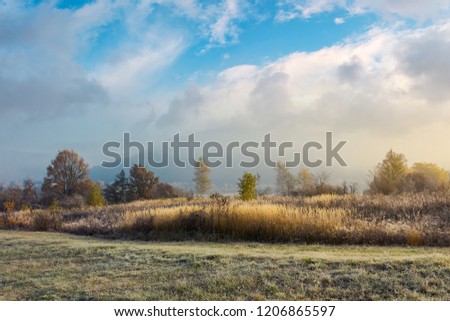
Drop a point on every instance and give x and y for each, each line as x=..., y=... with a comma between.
x=389, y=174
x=426, y=177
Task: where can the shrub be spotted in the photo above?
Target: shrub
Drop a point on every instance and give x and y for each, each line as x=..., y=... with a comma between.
x=55, y=207
x=220, y=200
x=9, y=206
x=195, y=221
x=74, y=201
x=45, y=221
x=413, y=237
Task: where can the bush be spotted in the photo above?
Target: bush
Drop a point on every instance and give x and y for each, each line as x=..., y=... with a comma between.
x=220, y=199
x=413, y=237
x=195, y=221
x=9, y=206
x=75, y=201
x=45, y=221
x=48, y=220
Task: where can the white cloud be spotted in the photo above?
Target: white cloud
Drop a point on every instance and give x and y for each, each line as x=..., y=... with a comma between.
x=291, y=9
x=223, y=30
x=378, y=91
x=339, y=21
x=42, y=36
x=218, y=20
x=39, y=75
x=424, y=59
x=40, y=46
x=133, y=70
x=415, y=9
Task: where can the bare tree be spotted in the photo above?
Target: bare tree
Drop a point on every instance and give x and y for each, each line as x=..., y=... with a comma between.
x=322, y=185
x=305, y=181
x=260, y=190
x=13, y=195
x=201, y=177
x=353, y=188
x=29, y=194
x=285, y=179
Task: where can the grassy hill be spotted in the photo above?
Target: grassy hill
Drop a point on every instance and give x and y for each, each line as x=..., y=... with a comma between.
x=52, y=266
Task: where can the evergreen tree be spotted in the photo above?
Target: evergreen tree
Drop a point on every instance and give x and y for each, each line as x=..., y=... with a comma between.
x=247, y=186
x=117, y=192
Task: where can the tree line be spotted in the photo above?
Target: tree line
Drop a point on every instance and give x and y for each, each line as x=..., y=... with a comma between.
x=67, y=183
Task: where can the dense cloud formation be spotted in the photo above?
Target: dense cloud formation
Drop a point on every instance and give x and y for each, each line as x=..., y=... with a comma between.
x=40, y=48
x=39, y=76
x=387, y=81
x=91, y=72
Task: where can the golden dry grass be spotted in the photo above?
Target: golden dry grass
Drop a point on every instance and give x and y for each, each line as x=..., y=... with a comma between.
x=413, y=220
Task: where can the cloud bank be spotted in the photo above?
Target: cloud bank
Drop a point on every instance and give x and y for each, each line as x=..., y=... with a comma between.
x=386, y=81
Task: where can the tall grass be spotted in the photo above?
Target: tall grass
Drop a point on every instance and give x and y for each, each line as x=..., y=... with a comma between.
x=245, y=221
x=328, y=219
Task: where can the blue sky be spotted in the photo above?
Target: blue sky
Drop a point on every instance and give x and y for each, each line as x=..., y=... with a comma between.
x=78, y=73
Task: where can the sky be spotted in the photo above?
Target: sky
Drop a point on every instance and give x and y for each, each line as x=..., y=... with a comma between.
x=75, y=74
